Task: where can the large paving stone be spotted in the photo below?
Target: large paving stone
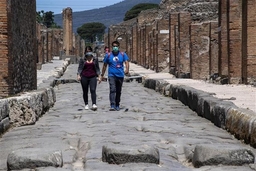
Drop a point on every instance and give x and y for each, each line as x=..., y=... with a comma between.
x=124, y=154
x=210, y=154
x=33, y=158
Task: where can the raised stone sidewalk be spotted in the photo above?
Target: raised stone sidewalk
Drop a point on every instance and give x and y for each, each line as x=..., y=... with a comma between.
x=231, y=107
x=27, y=107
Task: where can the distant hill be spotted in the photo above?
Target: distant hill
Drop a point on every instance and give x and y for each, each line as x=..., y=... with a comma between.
x=110, y=15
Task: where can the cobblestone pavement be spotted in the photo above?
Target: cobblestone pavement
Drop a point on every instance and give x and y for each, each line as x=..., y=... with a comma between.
x=146, y=119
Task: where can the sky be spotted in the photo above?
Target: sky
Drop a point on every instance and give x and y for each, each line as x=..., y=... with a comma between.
x=57, y=6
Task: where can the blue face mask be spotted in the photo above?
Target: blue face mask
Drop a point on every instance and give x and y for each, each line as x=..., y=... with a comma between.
x=115, y=49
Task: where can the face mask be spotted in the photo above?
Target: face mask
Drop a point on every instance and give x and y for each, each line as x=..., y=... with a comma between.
x=88, y=54
x=115, y=49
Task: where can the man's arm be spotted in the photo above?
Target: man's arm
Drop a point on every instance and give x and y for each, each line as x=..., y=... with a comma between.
x=103, y=72
x=127, y=66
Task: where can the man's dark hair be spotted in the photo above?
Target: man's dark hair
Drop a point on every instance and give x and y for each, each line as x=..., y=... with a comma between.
x=115, y=42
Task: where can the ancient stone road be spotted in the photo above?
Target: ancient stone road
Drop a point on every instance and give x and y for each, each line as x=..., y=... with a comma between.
x=152, y=120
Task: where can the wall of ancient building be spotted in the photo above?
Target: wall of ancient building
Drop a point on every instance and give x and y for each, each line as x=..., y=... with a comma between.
x=18, y=65
x=191, y=39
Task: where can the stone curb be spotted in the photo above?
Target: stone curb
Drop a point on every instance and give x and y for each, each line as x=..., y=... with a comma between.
x=26, y=108
x=224, y=114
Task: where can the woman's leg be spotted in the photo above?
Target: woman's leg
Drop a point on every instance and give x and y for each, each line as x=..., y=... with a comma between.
x=93, y=85
x=85, y=86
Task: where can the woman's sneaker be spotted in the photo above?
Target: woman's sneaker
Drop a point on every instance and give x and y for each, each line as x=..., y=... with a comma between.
x=94, y=107
x=86, y=107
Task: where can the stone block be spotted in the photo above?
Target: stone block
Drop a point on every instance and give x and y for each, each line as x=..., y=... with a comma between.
x=214, y=154
x=124, y=154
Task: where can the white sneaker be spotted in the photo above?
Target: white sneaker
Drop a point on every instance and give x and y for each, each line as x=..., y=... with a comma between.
x=94, y=107
x=86, y=107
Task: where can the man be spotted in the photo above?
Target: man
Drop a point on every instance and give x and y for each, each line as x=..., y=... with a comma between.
x=115, y=62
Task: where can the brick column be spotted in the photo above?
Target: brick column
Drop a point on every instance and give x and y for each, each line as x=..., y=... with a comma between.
x=250, y=36
x=163, y=46
x=67, y=31
x=214, y=48
x=223, y=37
x=235, y=41
x=173, y=23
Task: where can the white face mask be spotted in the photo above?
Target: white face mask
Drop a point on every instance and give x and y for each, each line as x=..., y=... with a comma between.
x=88, y=54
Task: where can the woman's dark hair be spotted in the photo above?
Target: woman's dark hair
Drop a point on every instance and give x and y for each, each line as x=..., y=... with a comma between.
x=87, y=48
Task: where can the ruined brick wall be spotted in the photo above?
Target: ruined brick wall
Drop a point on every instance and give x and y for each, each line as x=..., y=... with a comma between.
x=200, y=10
x=183, y=65
x=237, y=45
x=200, y=49
x=58, y=41
x=19, y=47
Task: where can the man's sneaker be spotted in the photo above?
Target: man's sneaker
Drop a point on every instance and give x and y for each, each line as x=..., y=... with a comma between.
x=112, y=108
x=94, y=107
x=117, y=108
x=86, y=107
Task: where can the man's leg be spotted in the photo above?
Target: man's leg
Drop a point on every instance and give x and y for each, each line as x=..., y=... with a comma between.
x=119, y=84
x=112, y=90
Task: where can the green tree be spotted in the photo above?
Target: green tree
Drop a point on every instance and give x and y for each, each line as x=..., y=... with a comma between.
x=134, y=11
x=89, y=31
x=46, y=18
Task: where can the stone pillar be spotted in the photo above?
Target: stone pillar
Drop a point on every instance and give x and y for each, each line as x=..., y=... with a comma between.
x=173, y=24
x=77, y=45
x=214, y=47
x=67, y=31
x=235, y=42
x=140, y=45
x=150, y=56
x=82, y=49
x=154, y=57
x=134, y=56
x=49, y=44
x=249, y=35
x=39, y=45
x=223, y=37
x=148, y=29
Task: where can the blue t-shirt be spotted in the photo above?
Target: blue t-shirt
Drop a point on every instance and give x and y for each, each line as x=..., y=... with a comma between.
x=116, y=63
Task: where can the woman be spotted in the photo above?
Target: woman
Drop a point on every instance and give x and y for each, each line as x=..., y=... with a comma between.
x=88, y=71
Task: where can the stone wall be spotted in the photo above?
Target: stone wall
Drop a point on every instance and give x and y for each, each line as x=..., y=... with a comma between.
x=18, y=65
x=224, y=52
